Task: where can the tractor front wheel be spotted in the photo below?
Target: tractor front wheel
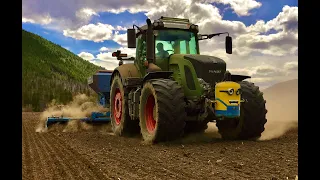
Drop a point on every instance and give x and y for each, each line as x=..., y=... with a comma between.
x=252, y=119
x=162, y=111
x=120, y=120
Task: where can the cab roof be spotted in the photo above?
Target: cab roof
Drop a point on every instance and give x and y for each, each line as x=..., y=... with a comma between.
x=170, y=22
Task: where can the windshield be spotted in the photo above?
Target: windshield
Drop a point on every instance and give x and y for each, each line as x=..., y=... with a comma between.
x=169, y=42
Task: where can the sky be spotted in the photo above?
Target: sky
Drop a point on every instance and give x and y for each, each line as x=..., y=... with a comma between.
x=264, y=32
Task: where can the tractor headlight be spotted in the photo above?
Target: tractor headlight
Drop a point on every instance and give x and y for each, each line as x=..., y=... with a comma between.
x=230, y=91
x=238, y=92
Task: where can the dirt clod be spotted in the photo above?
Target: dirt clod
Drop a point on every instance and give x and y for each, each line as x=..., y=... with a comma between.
x=219, y=161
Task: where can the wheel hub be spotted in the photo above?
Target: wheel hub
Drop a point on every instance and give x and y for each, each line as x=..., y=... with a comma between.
x=117, y=107
x=150, y=112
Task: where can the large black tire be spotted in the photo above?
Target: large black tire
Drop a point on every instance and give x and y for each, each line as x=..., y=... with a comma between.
x=252, y=116
x=195, y=127
x=162, y=111
x=121, y=122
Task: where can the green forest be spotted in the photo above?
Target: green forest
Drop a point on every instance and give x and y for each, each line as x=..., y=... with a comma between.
x=51, y=72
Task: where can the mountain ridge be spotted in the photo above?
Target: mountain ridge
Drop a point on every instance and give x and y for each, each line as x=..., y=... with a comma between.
x=50, y=71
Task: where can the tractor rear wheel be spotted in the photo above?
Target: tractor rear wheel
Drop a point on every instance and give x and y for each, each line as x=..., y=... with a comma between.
x=120, y=120
x=252, y=116
x=162, y=111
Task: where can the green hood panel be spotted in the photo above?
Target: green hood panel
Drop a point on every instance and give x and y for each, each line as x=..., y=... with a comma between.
x=211, y=69
x=185, y=75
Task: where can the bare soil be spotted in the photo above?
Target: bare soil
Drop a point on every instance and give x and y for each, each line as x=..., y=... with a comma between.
x=101, y=155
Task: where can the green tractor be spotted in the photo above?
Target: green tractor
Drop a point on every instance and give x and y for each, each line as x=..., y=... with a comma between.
x=171, y=90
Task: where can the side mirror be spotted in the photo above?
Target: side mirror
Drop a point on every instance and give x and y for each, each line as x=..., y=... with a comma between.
x=229, y=45
x=131, y=37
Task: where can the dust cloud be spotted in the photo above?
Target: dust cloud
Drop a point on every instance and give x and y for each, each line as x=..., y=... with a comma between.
x=212, y=130
x=81, y=106
x=282, y=106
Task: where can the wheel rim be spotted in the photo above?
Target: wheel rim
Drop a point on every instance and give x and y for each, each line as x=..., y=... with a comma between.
x=117, y=108
x=150, y=108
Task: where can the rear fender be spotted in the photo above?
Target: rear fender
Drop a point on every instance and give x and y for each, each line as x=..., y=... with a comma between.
x=157, y=75
x=126, y=71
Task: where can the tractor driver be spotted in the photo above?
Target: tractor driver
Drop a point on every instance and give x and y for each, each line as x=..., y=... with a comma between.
x=161, y=52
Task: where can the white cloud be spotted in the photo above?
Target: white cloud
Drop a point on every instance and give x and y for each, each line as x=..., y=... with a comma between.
x=283, y=42
x=98, y=33
x=266, y=74
x=291, y=66
x=105, y=59
x=260, y=71
x=26, y=20
x=104, y=49
x=86, y=13
x=86, y=56
x=220, y=53
x=38, y=20
x=274, y=44
x=286, y=20
x=106, y=56
x=120, y=38
x=74, y=14
x=71, y=14
x=93, y=32
x=240, y=7
x=120, y=28
x=267, y=71
x=130, y=51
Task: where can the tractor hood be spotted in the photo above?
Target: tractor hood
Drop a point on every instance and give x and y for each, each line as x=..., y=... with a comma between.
x=211, y=69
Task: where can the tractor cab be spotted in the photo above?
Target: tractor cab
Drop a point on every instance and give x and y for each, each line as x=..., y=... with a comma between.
x=173, y=41
x=166, y=43
x=156, y=42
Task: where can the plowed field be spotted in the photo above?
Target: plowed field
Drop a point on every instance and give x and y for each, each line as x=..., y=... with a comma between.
x=100, y=155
